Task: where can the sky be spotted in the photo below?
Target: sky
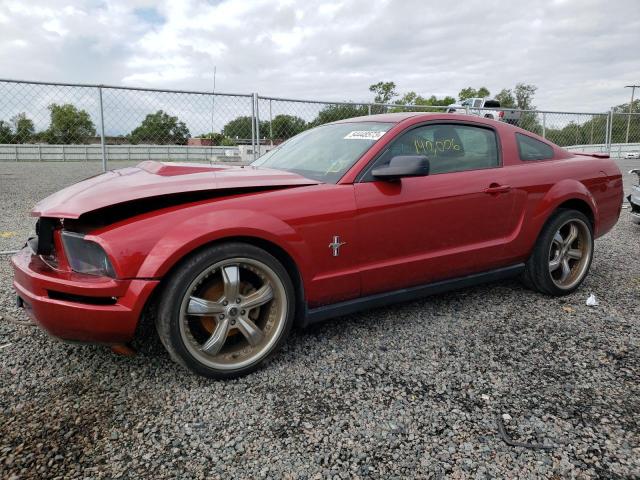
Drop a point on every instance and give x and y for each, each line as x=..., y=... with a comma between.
x=579, y=53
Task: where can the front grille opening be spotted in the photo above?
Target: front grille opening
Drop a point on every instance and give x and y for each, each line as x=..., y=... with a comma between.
x=70, y=297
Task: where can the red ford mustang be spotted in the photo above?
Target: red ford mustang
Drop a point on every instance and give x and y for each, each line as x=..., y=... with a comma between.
x=346, y=216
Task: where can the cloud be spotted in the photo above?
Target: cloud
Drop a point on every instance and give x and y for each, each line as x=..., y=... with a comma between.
x=578, y=52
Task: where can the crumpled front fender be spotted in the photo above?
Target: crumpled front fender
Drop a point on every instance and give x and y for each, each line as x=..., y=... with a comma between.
x=200, y=230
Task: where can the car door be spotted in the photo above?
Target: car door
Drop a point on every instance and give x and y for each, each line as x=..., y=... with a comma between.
x=453, y=222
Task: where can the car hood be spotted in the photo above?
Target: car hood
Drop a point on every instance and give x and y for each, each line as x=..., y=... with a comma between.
x=156, y=179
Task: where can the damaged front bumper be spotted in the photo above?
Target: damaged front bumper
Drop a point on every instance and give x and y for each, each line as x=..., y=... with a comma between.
x=79, y=307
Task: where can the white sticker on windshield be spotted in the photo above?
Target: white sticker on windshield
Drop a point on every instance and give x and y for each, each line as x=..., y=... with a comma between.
x=364, y=135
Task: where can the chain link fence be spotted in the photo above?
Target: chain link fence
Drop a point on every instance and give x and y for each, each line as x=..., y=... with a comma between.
x=71, y=123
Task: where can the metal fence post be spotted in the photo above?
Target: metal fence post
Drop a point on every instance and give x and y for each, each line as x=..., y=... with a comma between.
x=102, y=142
x=369, y=109
x=253, y=125
x=270, y=122
x=544, y=124
x=610, y=131
x=257, y=124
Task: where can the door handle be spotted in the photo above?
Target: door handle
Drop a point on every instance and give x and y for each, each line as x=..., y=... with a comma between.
x=495, y=188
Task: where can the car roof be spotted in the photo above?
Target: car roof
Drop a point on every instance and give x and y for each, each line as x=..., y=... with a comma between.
x=385, y=117
x=416, y=117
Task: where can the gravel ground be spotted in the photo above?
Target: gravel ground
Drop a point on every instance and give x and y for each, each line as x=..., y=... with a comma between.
x=414, y=390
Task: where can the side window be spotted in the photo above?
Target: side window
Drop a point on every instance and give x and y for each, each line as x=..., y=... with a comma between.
x=477, y=103
x=449, y=148
x=532, y=149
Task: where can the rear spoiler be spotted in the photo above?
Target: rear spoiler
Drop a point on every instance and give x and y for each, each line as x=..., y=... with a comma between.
x=595, y=155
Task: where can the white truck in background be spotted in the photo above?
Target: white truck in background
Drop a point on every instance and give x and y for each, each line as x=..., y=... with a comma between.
x=487, y=108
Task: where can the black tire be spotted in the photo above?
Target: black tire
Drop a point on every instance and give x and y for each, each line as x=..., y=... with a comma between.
x=538, y=273
x=171, y=317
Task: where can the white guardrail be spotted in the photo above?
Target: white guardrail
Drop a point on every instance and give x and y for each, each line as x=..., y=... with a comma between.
x=617, y=149
x=184, y=153
x=133, y=153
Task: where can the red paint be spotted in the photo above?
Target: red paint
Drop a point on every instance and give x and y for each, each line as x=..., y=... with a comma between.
x=77, y=321
x=400, y=234
x=153, y=179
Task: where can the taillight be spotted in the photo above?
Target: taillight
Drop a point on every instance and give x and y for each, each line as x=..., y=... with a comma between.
x=501, y=114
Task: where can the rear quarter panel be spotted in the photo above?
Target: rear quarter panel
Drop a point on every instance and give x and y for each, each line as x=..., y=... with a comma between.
x=540, y=187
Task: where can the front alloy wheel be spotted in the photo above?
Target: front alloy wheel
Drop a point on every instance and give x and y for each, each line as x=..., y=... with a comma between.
x=227, y=310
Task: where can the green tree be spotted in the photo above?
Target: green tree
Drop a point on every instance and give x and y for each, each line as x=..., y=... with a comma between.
x=442, y=102
x=23, y=128
x=6, y=135
x=285, y=126
x=524, y=96
x=384, y=91
x=483, y=92
x=619, y=126
x=506, y=98
x=471, y=92
x=160, y=127
x=68, y=125
x=240, y=128
x=218, y=139
x=412, y=98
x=408, y=98
x=331, y=113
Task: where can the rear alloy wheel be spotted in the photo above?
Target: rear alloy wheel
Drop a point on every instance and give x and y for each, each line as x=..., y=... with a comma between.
x=570, y=253
x=226, y=311
x=562, y=256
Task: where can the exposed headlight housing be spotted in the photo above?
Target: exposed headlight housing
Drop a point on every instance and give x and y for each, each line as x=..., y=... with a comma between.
x=85, y=256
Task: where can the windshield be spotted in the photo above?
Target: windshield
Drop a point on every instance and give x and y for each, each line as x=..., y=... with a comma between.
x=325, y=153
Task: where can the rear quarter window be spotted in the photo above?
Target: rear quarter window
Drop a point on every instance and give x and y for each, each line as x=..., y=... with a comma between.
x=531, y=149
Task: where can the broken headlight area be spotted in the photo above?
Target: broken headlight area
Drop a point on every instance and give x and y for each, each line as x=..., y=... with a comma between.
x=85, y=256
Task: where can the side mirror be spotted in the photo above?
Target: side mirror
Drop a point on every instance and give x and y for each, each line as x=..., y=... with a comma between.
x=403, y=166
